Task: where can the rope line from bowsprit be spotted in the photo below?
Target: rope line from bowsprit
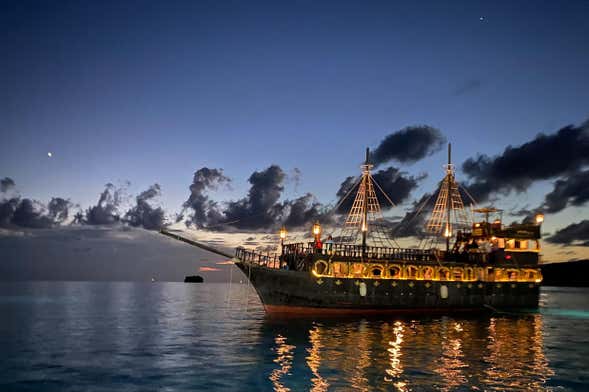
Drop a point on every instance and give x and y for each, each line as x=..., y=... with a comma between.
x=195, y=243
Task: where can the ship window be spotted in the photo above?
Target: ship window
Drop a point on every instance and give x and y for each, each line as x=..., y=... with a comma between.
x=411, y=271
x=443, y=273
x=530, y=275
x=499, y=274
x=501, y=242
x=376, y=271
x=457, y=273
x=394, y=272
x=469, y=273
x=512, y=274
x=358, y=268
x=321, y=267
x=510, y=244
x=428, y=273
x=340, y=269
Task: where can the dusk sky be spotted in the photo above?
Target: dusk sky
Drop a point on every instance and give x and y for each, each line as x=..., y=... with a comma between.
x=151, y=92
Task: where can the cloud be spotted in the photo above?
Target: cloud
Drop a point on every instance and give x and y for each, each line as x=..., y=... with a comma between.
x=295, y=177
x=572, y=190
x=303, y=210
x=7, y=208
x=6, y=184
x=58, y=209
x=573, y=234
x=412, y=224
x=408, y=145
x=106, y=211
x=143, y=214
x=544, y=157
x=205, y=211
x=29, y=213
x=396, y=184
x=260, y=208
x=209, y=269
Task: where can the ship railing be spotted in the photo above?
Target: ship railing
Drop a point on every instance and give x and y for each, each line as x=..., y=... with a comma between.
x=375, y=253
x=298, y=256
x=251, y=257
x=360, y=252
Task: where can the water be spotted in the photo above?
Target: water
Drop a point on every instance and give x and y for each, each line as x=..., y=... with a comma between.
x=78, y=336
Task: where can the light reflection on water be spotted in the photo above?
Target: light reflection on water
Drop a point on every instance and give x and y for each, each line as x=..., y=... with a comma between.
x=443, y=354
x=104, y=336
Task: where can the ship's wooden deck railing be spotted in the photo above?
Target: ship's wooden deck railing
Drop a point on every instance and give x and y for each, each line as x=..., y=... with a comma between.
x=299, y=256
x=368, y=252
x=251, y=257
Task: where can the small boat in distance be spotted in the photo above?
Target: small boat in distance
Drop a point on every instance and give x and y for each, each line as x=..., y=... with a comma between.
x=194, y=279
x=362, y=270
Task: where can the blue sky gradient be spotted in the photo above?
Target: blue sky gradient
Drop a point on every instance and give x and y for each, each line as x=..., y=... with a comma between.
x=152, y=91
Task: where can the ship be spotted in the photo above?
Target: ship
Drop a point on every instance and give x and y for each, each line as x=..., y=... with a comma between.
x=466, y=261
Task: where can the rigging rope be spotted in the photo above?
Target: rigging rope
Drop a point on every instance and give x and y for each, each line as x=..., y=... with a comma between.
x=383, y=192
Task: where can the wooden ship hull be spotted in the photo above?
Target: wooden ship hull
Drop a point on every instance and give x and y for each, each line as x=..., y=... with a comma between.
x=388, y=287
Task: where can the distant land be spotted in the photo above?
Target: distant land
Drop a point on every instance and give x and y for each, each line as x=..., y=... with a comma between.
x=570, y=273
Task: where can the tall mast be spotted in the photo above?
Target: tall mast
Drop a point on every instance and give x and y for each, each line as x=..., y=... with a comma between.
x=448, y=213
x=448, y=231
x=365, y=178
x=365, y=212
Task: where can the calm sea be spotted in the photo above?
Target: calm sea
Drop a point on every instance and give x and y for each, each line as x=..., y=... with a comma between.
x=81, y=336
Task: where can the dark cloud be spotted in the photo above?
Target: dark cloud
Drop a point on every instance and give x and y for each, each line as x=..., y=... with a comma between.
x=303, y=210
x=573, y=190
x=295, y=177
x=106, y=211
x=205, y=211
x=396, y=184
x=574, y=234
x=7, y=208
x=29, y=213
x=260, y=208
x=470, y=86
x=143, y=214
x=408, y=145
x=528, y=215
x=545, y=157
x=58, y=209
x=347, y=189
x=413, y=223
x=6, y=184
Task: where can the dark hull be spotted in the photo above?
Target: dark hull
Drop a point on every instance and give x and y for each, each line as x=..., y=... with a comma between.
x=287, y=291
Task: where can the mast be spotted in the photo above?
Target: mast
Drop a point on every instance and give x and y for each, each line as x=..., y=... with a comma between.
x=448, y=231
x=366, y=213
x=448, y=214
x=365, y=178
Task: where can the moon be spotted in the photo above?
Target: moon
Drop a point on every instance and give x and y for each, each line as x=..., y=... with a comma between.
x=49, y=154
x=482, y=18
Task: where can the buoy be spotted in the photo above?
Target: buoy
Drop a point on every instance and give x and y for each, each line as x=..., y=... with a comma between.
x=362, y=288
x=444, y=291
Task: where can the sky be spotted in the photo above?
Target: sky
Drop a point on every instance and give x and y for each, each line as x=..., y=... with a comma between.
x=151, y=92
